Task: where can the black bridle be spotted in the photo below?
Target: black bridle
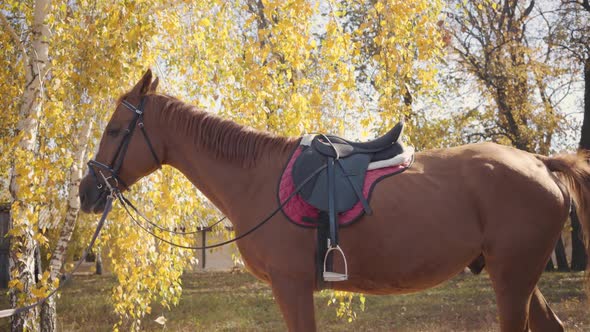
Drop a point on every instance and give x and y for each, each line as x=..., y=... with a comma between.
x=109, y=184
x=112, y=180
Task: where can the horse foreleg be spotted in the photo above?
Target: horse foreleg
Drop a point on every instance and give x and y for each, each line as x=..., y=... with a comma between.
x=295, y=299
x=541, y=317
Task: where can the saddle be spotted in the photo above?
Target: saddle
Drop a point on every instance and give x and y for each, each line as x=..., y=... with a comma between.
x=351, y=161
x=339, y=185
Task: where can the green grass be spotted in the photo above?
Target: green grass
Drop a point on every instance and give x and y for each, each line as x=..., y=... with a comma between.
x=230, y=302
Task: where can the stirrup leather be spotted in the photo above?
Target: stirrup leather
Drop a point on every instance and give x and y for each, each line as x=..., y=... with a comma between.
x=331, y=276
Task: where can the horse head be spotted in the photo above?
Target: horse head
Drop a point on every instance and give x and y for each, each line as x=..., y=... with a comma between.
x=126, y=152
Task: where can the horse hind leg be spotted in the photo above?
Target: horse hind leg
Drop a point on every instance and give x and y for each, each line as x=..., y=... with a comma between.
x=514, y=305
x=519, y=237
x=512, y=298
x=541, y=317
x=514, y=270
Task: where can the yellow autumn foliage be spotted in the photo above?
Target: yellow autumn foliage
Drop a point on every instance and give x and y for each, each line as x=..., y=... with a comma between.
x=289, y=67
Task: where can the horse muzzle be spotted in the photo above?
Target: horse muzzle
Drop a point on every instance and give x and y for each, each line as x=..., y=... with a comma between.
x=92, y=196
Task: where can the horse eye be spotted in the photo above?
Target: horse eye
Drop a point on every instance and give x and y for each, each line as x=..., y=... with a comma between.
x=113, y=132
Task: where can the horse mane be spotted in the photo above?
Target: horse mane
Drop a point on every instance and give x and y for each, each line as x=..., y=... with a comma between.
x=225, y=139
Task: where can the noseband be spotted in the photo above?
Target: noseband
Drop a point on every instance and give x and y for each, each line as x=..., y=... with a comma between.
x=112, y=180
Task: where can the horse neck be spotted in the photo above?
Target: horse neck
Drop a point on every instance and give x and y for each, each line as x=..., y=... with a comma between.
x=228, y=184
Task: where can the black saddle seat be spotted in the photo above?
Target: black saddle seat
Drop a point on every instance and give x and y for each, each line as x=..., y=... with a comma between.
x=352, y=160
x=338, y=147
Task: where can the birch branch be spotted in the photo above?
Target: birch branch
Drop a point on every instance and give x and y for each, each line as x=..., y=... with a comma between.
x=13, y=34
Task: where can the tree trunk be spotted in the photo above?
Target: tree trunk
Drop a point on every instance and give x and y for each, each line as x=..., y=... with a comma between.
x=585, y=139
x=579, y=257
x=23, y=269
x=22, y=255
x=58, y=257
x=550, y=267
x=560, y=257
x=49, y=315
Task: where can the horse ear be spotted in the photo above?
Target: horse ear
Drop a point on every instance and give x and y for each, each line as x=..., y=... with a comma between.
x=142, y=87
x=154, y=85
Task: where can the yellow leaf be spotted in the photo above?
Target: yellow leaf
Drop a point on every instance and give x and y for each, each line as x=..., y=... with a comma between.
x=39, y=292
x=205, y=22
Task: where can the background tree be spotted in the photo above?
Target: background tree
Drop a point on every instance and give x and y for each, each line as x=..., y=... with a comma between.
x=289, y=67
x=507, y=47
x=283, y=66
x=78, y=85
x=84, y=72
x=572, y=36
x=492, y=43
x=23, y=178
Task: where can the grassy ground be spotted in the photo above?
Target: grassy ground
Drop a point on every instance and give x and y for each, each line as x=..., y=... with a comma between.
x=230, y=302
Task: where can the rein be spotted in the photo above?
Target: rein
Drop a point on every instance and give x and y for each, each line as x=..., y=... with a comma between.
x=127, y=204
x=67, y=277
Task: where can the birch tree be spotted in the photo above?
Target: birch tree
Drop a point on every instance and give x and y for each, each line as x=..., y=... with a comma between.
x=22, y=174
x=58, y=256
x=572, y=36
x=273, y=65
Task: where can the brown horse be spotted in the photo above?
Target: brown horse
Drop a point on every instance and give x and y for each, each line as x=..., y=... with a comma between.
x=450, y=208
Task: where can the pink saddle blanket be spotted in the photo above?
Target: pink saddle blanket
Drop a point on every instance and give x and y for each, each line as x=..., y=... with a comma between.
x=298, y=211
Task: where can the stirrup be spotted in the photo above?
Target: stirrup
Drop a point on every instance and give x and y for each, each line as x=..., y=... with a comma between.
x=335, y=276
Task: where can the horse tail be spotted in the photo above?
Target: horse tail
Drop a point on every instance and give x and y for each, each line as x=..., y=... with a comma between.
x=574, y=172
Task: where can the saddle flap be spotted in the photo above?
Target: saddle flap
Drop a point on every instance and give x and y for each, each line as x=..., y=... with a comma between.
x=348, y=172
x=307, y=162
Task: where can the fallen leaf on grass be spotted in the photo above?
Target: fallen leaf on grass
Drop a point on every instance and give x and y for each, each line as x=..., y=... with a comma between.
x=160, y=320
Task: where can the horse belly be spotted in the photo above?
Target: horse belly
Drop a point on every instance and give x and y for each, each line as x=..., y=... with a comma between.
x=423, y=231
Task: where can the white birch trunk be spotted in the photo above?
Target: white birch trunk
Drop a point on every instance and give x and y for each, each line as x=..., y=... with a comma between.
x=58, y=257
x=22, y=255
